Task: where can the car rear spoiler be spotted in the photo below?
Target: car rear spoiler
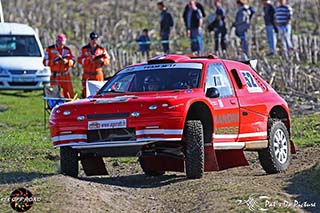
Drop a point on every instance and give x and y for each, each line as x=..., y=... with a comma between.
x=252, y=63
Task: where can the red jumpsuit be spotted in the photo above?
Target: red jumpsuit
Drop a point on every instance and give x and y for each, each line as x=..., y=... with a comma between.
x=60, y=74
x=92, y=60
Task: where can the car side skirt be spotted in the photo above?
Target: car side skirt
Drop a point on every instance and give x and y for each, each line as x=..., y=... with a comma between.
x=248, y=146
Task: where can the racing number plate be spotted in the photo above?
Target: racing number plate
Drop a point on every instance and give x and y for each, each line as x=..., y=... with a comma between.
x=107, y=124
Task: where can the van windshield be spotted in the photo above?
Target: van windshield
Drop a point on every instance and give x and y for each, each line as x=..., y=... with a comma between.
x=19, y=45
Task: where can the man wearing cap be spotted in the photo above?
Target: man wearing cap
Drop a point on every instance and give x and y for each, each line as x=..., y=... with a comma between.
x=93, y=58
x=59, y=58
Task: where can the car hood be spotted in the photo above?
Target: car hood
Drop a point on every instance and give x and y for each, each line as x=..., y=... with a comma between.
x=143, y=103
x=17, y=63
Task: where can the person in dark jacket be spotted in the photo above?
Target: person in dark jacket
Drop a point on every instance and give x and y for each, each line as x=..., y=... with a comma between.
x=144, y=45
x=193, y=18
x=219, y=26
x=269, y=21
x=242, y=23
x=166, y=24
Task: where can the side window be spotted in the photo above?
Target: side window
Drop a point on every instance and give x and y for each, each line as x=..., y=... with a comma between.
x=122, y=84
x=217, y=77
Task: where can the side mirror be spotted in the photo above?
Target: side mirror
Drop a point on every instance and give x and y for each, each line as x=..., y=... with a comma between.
x=212, y=93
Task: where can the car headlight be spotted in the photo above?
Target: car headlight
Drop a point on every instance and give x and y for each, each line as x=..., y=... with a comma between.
x=67, y=112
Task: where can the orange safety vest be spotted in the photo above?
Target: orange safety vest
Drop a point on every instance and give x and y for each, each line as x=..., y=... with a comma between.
x=60, y=74
x=92, y=64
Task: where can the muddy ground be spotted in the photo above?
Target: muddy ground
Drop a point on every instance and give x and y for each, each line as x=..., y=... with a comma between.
x=128, y=190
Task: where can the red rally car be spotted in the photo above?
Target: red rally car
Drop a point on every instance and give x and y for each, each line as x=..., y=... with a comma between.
x=176, y=113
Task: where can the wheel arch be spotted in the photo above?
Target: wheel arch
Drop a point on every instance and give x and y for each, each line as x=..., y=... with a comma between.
x=280, y=113
x=200, y=111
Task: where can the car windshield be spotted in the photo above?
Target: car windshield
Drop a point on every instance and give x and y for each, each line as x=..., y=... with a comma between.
x=157, y=77
x=19, y=45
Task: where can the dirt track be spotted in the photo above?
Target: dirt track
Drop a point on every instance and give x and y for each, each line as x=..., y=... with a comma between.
x=128, y=190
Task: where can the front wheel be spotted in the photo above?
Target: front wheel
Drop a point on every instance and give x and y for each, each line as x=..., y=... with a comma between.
x=194, y=143
x=276, y=157
x=69, y=161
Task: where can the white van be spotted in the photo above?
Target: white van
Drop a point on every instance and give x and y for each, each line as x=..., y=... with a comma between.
x=21, y=56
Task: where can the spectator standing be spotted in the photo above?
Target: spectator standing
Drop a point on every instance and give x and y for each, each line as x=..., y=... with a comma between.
x=271, y=30
x=219, y=27
x=283, y=14
x=193, y=18
x=144, y=43
x=242, y=23
x=166, y=24
x=93, y=58
x=60, y=59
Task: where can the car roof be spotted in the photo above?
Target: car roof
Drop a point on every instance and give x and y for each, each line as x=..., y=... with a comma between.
x=15, y=29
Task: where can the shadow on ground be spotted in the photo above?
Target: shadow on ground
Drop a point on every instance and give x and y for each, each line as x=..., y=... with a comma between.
x=305, y=187
x=19, y=177
x=137, y=181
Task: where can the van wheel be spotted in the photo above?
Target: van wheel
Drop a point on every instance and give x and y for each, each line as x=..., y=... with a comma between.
x=69, y=161
x=276, y=157
x=194, y=144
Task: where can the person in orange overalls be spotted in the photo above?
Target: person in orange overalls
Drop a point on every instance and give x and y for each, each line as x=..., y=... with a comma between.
x=93, y=58
x=59, y=58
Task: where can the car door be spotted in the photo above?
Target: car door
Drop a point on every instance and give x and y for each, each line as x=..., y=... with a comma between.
x=226, y=106
x=252, y=102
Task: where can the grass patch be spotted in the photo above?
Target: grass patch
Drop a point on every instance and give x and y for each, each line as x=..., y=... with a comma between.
x=25, y=144
x=306, y=130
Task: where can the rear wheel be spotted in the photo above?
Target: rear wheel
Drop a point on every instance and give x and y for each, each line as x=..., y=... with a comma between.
x=194, y=142
x=276, y=157
x=69, y=161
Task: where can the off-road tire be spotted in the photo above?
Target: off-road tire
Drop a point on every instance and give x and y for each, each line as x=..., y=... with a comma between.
x=69, y=161
x=150, y=172
x=269, y=157
x=194, y=152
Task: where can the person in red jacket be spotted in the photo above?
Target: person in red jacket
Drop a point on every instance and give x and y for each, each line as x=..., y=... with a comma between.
x=93, y=58
x=59, y=58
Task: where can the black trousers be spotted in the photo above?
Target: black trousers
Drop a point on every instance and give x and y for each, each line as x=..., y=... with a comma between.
x=220, y=33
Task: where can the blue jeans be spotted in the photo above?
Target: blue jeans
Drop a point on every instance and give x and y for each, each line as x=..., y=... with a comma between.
x=285, y=36
x=165, y=40
x=200, y=41
x=196, y=40
x=244, y=43
x=271, y=36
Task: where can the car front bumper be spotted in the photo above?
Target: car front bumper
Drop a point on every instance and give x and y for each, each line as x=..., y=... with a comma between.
x=23, y=83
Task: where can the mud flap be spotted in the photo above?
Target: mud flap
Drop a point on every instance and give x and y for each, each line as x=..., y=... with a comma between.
x=162, y=163
x=94, y=166
x=210, y=160
x=230, y=158
x=292, y=147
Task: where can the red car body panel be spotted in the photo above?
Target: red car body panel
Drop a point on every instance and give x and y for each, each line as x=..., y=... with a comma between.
x=236, y=120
